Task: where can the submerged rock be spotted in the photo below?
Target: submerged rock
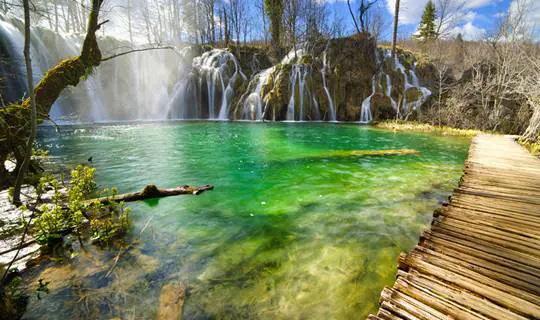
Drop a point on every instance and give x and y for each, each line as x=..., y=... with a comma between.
x=171, y=301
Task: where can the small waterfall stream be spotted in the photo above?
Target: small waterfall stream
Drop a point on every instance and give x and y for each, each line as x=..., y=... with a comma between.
x=324, y=69
x=365, y=112
x=254, y=105
x=298, y=85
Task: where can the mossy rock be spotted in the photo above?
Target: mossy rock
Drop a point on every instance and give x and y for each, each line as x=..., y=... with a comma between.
x=307, y=59
x=382, y=107
x=413, y=94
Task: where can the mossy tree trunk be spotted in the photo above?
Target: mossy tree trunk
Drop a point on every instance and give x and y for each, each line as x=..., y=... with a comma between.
x=14, y=119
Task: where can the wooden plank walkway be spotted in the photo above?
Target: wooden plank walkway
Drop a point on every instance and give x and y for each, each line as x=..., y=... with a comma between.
x=481, y=257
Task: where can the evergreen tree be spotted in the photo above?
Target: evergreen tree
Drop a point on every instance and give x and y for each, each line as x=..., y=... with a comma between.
x=426, y=28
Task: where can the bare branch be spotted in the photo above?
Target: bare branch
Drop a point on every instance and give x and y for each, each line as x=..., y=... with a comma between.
x=135, y=50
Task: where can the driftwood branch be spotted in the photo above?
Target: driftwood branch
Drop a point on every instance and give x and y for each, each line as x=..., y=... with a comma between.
x=134, y=50
x=151, y=191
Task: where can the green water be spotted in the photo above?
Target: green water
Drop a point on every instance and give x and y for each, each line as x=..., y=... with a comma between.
x=288, y=232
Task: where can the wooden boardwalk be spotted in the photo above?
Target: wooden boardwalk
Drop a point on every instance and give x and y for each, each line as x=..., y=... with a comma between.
x=481, y=257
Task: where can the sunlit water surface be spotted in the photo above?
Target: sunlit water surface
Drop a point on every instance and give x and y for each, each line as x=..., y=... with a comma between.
x=288, y=232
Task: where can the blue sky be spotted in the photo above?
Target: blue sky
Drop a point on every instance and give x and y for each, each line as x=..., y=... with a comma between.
x=479, y=16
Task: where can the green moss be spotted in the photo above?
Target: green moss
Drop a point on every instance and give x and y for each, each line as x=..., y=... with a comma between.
x=413, y=94
x=307, y=59
x=407, y=57
x=532, y=146
x=425, y=127
x=286, y=67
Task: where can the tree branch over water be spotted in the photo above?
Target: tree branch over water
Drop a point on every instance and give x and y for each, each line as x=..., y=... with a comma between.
x=151, y=191
x=135, y=50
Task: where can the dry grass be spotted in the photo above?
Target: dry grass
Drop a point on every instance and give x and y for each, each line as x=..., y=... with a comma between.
x=533, y=147
x=424, y=127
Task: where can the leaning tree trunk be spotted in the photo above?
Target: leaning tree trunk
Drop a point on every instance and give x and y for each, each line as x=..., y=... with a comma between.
x=532, y=134
x=14, y=124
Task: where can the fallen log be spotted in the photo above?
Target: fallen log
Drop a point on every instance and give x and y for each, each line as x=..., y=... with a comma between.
x=355, y=153
x=151, y=191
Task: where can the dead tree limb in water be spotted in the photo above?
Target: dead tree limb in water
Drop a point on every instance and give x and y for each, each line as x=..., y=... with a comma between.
x=151, y=191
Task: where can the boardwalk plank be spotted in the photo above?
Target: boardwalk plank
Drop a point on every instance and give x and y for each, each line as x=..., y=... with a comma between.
x=480, y=259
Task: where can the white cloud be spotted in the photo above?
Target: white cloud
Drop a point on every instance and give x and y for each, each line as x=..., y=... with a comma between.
x=474, y=4
x=469, y=31
x=470, y=16
x=410, y=11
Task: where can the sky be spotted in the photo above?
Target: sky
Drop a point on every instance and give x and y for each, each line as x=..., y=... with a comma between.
x=478, y=19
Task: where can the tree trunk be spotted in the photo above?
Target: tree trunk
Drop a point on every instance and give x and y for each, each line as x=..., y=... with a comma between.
x=151, y=191
x=394, y=34
x=227, y=39
x=352, y=16
x=29, y=77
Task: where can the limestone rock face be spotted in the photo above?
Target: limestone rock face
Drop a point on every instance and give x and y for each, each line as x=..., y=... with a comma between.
x=342, y=79
x=295, y=88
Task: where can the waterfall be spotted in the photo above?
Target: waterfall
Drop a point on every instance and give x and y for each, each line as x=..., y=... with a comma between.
x=326, y=90
x=299, y=77
x=132, y=87
x=424, y=92
x=215, y=67
x=365, y=112
x=184, y=104
x=410, y=82
x=388, y=92
x=144, y=86
x=254, y=106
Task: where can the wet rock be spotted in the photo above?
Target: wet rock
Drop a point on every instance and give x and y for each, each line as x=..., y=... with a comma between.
x=171, y=301
x=11, y=230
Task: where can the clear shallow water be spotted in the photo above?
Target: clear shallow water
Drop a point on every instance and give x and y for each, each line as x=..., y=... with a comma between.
x=288, y=232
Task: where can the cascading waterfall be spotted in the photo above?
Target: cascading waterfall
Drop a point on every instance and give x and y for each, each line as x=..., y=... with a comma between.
x=215, y=67
x=298, y=81
x=424, y=92
x=254, y=106
x=410, y=82
x=365, y=112
x=324, y=69
x=388, y=92
x=413, y=83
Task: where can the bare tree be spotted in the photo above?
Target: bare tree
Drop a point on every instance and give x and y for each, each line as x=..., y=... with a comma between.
x=376, y=22
x=259, y=5
x=209, y=8
x=449, y=12
x=237, y=14
x=292, y=16
x=363, y=15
